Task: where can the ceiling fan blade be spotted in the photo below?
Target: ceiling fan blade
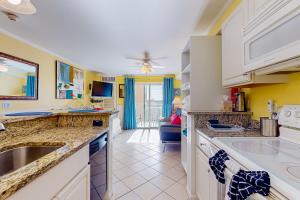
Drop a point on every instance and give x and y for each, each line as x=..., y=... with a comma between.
x=154, y=63
x=160, y=58
x=131, y=58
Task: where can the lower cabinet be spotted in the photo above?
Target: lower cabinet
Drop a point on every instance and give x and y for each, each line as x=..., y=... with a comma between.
x=78, y=188
x=206, y=183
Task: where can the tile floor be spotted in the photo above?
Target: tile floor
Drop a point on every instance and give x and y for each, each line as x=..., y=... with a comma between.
x=141, y=171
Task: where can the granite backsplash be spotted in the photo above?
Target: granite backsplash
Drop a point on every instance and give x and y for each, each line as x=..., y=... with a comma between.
x=242, y=119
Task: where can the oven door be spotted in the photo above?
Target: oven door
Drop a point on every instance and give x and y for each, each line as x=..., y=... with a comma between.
x=98, y=163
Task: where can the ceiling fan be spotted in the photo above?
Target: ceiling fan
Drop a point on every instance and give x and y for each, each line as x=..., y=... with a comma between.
x=147, y=64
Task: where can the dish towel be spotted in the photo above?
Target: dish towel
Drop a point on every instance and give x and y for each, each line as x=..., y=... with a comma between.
x=217, y=165
x=231, y=169
x=245, y=183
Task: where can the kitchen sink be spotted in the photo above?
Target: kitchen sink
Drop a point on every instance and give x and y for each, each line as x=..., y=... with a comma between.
x=16, y=158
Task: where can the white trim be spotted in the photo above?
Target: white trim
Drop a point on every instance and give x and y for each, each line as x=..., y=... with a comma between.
x=206, y=32
x=41, y=48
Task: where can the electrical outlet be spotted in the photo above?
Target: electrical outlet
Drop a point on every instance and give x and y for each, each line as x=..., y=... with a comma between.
x=270, y=106
x=6, y=105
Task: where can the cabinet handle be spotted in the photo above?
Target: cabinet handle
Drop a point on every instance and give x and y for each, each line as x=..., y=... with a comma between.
x=202, y=144
x=208, y=170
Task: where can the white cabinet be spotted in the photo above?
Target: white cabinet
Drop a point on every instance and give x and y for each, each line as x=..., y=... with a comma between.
x=206, y=183
x=232, y=50
x=202, y=176
x=255, y=8
x=274, y=37
x=234, y=71
x=78, y=188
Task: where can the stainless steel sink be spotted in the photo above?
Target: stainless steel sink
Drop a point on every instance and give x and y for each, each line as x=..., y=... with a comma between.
x=16, y=158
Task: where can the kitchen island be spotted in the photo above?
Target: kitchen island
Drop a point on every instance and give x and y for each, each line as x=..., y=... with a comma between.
x=71, y=132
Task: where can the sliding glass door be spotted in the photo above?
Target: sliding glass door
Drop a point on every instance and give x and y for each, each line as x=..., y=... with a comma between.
x=149, y=101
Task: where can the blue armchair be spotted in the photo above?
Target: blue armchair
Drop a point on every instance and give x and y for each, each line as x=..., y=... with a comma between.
x=168, y=132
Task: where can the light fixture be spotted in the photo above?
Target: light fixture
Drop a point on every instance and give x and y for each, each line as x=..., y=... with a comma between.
x=146, y=69
x=24, y=7
x=15, y=2
x=3, y=68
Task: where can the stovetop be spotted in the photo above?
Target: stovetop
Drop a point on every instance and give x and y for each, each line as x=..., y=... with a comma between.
x=279, y=157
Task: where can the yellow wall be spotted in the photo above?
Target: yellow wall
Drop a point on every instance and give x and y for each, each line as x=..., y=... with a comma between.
x=288, y=93
x=282, y=94
x=218, y=25
x=47, y=80
x=145, y=79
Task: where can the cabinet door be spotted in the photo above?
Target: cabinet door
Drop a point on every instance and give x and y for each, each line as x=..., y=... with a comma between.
x=78, y=188
x=232, y=50
x=202, y=176
x=276, y=40
x=254, y=7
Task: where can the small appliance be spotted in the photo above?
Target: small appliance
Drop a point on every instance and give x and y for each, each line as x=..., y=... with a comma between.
x=240, y=105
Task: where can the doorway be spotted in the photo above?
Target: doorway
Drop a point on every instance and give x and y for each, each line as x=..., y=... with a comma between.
x=149, y=102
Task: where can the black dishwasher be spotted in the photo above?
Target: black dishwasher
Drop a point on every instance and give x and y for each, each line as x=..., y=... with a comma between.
x=98, y=163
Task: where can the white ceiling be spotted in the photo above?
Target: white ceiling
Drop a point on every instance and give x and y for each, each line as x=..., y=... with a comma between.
x=99, y=34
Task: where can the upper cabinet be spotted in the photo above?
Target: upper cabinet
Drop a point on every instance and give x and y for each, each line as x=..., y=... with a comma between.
x=232, y=51
x=271, y=38
x=233, y=70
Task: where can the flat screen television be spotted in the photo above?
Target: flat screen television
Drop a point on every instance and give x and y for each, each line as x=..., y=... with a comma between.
x=102, y=89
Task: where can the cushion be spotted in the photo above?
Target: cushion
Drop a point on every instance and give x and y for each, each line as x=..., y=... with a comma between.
x=175, y=120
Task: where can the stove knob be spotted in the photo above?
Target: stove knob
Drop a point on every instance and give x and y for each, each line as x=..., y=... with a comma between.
x=287, y=113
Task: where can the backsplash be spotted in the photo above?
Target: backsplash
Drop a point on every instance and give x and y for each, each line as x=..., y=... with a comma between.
x=242, y=119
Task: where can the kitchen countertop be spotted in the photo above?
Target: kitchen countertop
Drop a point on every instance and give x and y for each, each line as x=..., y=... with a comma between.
x=73, y=139
x=10, y=119
x=197, y=112
x=212, y=134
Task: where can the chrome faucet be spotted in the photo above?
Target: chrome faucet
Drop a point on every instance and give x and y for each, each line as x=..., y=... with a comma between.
x=2, y=127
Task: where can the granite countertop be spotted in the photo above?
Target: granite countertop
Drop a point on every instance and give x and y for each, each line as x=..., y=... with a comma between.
x=197, y=112
x=73, y=139
x=10, y=119
x=212, y=134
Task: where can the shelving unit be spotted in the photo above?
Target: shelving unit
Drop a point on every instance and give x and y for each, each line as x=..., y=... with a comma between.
x=202, y=90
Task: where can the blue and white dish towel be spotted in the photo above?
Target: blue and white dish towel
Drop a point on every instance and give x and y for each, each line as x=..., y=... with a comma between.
x=217, y=165
x=245, y=183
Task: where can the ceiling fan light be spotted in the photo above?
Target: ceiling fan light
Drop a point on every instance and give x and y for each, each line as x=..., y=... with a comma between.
x=3, y=68
x=146, y=69
x=15, y=2
x=25, y=7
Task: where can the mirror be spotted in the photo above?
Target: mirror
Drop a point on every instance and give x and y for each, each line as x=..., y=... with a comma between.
x=18, y=78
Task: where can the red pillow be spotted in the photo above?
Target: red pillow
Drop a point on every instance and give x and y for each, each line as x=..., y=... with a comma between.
x=175, y=120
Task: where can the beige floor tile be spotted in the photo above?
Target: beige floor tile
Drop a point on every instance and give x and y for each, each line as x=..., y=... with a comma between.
x=162, y=182
x=134, y=181
x=161, y=167
x=150, y=161
x=130, y=196
x=177, y=191
x=137, y=166
x=174, y=174
x=119, y=189
x=147, y=191
x=163, y=196
x=148, y=173
x=123, y=173
x=182, y=181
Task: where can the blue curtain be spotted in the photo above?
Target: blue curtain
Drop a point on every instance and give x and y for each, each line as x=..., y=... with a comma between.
x=168, y=96
x=129, y=105
x=30, y=86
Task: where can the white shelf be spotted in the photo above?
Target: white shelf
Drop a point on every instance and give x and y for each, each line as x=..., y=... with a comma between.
x=187, y=69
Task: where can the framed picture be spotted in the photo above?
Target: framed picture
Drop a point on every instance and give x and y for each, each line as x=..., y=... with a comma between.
x=69, y=81
x=121, y=90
